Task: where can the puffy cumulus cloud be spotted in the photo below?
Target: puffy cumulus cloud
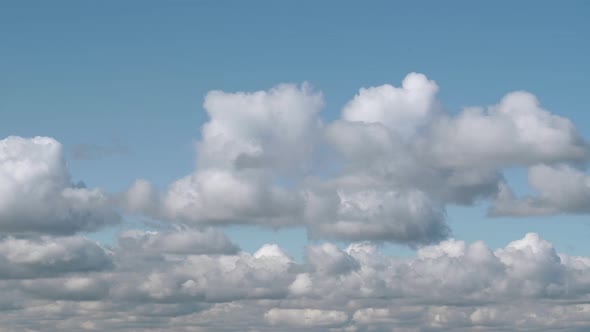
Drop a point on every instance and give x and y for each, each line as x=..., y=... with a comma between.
x=450, y=286
x=559, y=188
x=36, y=195
x=219, y=197
x=455, y=159
x=375, y=156
x=46, y=256
x=442, y=159
x=272, y=129
x=251, y=143
x=403, y=109
x=385, y=170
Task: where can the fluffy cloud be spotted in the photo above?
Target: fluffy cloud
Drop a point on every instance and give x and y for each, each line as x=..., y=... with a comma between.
x=41, y=257
x=37, y=196
x=397, y=161
x=252, y=143
x=516, y=131
x=403, y=110
x=272, y=129
x=446, y=287
x=220, y=197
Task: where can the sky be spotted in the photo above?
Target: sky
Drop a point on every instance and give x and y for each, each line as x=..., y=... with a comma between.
x=266, y=159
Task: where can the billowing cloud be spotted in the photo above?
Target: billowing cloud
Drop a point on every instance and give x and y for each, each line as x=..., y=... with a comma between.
x=251, y=142
x=37, y=196
x=397, y=160
x=403, y=110
x=272, y=129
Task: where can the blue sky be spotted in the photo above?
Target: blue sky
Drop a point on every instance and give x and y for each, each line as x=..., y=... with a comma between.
x=134, y=74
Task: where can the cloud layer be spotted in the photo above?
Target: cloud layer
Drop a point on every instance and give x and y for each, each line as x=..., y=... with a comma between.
x=147, y=281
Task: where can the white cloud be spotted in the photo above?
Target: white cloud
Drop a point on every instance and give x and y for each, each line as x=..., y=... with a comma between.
x=47, y=256
x=403, y=109
x=222, y=197
x=396, y=161
x=36, y=195
x=516, y=131
x=251, y=143
x=272, y=129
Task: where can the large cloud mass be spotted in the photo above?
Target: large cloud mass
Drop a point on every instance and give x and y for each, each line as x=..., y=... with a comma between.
x=384, y=171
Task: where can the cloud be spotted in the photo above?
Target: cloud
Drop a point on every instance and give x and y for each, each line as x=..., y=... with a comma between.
x=217, y=197
x=250, y=140
x=47, y=256
x=403, y=110
x=560, y=189
x=272, y=129
x=36, y=195
x=450, y=286
x=356, y=214
x=397, y=157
